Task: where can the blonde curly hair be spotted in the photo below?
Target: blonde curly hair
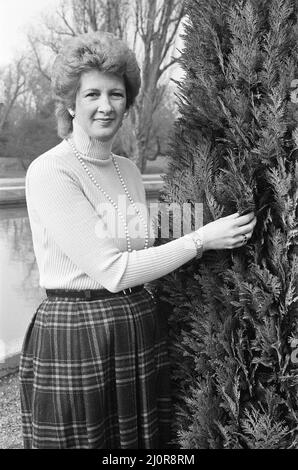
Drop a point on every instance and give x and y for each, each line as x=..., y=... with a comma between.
x=95, y=50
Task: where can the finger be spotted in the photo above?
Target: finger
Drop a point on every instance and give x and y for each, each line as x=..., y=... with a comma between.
x=248, y=227
x=241, y=241
x=232, y=216
x=245, y=219
x=248, y=235
x=239, y=245
x=253, y=223
x=240, y=235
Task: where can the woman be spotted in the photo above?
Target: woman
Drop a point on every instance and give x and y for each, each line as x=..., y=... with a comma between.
x=94, y=367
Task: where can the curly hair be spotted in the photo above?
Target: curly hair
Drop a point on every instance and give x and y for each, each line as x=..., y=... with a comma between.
x=95, y=50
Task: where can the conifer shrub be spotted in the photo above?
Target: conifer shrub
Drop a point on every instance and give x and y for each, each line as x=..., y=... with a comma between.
x=233, y=314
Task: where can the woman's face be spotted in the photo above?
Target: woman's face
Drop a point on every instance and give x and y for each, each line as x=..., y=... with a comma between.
x=100, y=104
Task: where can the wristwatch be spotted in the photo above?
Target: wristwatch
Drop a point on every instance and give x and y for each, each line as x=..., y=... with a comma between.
x=197, y=238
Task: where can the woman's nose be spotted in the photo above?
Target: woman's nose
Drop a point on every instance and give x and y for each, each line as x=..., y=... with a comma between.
x=104, y=104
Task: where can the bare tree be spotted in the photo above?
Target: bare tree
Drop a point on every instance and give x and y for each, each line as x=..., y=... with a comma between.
x=14, y=82
x=107, y=15
x=86, y=15
x=157, y=23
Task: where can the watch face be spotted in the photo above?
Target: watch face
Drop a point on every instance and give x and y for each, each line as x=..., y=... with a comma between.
x=198, y=241
x=199, y=245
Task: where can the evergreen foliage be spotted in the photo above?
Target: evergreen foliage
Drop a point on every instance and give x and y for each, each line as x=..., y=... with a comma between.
x=234, y=314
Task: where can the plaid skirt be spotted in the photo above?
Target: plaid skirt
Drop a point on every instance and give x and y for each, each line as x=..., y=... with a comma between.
x=95, y=375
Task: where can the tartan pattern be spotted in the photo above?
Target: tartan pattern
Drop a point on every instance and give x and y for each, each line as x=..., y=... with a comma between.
x=95, y=374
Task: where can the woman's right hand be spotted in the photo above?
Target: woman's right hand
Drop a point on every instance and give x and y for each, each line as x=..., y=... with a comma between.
x=227, y=232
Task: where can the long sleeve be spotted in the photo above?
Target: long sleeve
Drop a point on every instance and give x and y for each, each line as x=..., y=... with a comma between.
x=61, y=213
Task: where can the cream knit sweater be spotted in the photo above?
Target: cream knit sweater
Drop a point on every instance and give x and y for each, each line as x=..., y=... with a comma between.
x=78, y=238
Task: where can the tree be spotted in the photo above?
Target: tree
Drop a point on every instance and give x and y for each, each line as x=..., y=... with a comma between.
x=13, y=85
x=29, y=111
x=157, y=24
x=234, y=314
x=107, y=15
x=31, y=134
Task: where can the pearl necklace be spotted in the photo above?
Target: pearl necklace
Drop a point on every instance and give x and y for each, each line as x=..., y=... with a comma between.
x=111, y=200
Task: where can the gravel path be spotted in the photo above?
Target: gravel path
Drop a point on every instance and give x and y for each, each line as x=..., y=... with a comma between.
x=10, y=415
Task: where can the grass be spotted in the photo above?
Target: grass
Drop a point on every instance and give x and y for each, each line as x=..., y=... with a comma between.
x=10, y=413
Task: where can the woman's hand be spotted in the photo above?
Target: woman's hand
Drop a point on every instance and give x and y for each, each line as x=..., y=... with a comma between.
x=228, y=232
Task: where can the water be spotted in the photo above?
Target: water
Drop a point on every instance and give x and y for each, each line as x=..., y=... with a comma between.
x=20, y=293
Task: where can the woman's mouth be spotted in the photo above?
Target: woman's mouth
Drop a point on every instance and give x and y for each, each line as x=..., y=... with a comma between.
x=104, y=120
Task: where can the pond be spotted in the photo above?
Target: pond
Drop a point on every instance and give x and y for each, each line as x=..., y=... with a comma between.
x=20, y=293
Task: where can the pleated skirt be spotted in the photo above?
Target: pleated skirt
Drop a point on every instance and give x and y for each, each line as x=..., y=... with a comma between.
x=95, y=375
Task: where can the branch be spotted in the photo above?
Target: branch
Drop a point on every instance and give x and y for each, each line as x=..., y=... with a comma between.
x=140, y=20
x=164, y=20
x=136, y=12
x=173, y=34
x=158, y=97
x=169, y=64
x=91, y=11
x=31, y=41
x=64, y=19
x=59, y=32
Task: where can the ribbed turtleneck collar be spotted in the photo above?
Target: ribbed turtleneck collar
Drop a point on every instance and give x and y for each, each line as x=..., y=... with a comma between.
x=90, y=147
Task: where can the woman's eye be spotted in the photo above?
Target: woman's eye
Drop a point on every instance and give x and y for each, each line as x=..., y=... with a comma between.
x=92, y=94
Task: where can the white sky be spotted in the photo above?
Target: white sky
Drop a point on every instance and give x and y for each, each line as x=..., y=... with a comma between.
x=15, y=16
